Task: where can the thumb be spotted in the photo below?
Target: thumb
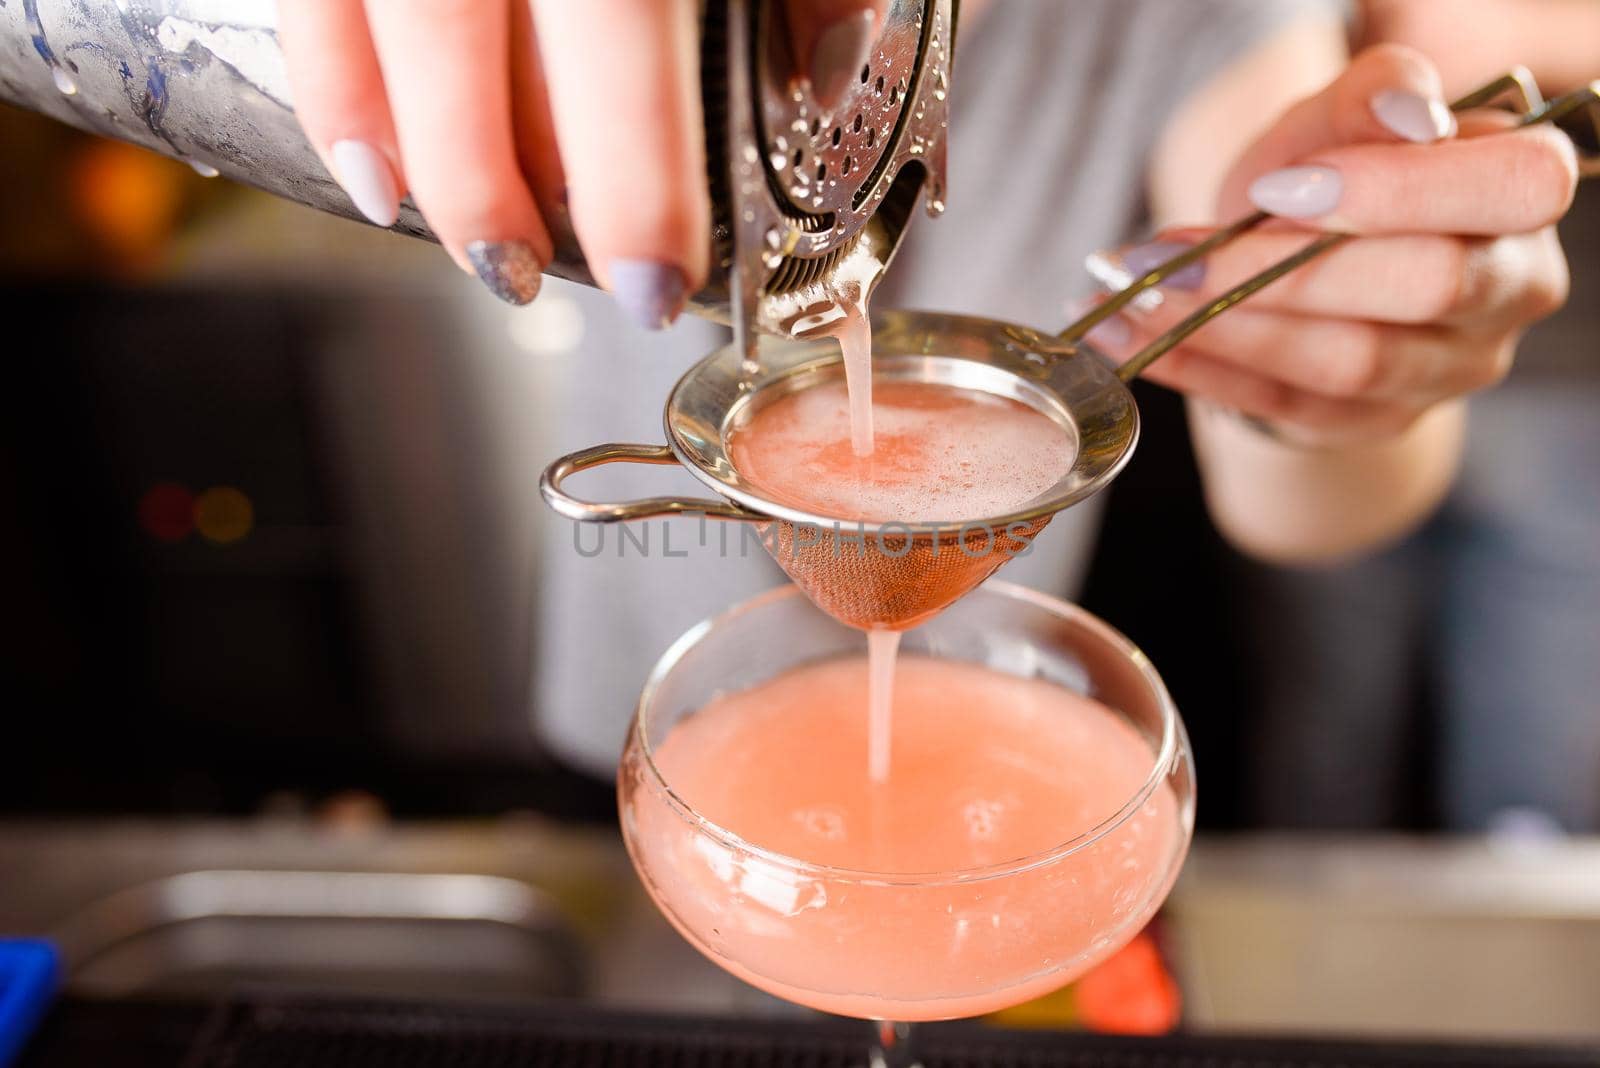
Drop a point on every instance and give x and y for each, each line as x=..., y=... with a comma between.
x=1388, y=94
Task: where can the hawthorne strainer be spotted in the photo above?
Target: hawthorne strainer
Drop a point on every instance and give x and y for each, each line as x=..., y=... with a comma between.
x=894, y=575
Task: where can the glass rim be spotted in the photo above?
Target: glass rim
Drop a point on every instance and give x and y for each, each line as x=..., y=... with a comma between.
x=1161, y=765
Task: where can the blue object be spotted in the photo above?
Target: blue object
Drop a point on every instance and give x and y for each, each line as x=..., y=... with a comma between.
x=28, y=969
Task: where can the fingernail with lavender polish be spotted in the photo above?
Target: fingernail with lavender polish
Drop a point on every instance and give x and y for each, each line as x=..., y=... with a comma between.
x=838, y=56
x=368, y=180
x=1142, y=259
x=651, y=293
x=1298, y=192
x=1110, y=270
x=1412, y=116
x=508, y=268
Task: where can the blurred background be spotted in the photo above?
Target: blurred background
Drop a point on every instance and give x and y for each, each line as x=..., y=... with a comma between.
x=272, y=553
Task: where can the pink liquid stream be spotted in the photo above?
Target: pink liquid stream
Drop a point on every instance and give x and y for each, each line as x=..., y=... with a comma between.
x=954, y=454
x=883, y=648
x=855, y=342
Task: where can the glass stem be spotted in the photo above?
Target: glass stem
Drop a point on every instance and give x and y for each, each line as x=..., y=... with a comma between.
x=893, y=1047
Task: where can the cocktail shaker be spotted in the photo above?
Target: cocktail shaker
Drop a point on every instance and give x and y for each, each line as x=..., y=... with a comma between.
x=802, y=196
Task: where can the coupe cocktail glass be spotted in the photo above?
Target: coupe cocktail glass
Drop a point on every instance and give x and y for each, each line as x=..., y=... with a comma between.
x=914, y=945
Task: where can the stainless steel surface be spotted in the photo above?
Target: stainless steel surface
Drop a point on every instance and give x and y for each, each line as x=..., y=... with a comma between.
x=204, y=81
x=829, y=161
x=555, y=476
x=799, y=217
x=200, y=80
x=1068, y=383
x=327, y=900
x=1381, y=934
x=371, y=932
x=1391, y=935
x=507, y=910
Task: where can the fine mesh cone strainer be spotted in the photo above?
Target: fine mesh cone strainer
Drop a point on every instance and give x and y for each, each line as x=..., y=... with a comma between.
x=878, y=575
x=894, y=575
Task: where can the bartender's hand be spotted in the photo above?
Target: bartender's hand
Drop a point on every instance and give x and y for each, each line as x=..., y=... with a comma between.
x=497, y=119
x=1456, y=256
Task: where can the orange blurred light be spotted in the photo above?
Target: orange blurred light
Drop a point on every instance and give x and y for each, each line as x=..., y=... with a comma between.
x=127, y=197
x=166, y=512
x=224, y=515
x=1130, y=993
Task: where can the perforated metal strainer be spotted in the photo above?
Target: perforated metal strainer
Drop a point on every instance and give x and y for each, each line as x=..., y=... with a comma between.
x=806, y=195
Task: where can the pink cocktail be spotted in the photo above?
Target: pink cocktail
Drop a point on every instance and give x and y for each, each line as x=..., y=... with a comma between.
x=939, y=452
x=1038, y=807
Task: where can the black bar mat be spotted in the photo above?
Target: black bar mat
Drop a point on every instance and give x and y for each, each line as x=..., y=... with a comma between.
x=297, y=1032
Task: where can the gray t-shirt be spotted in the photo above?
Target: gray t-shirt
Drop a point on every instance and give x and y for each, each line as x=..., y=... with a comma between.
x=1056, y=104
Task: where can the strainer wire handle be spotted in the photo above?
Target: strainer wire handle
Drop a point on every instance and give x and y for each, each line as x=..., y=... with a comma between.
x=647, y=508
x=1518, y=83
